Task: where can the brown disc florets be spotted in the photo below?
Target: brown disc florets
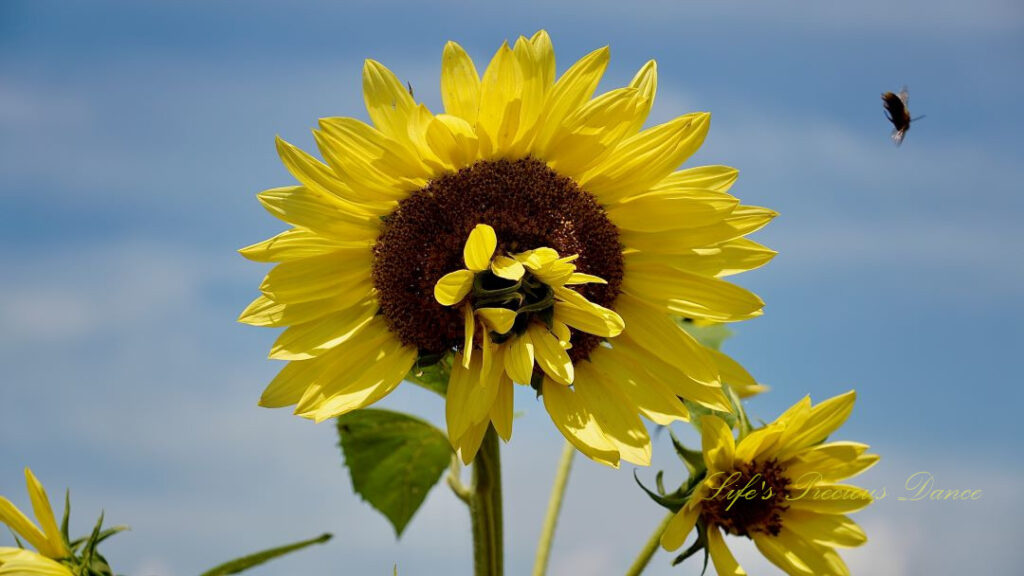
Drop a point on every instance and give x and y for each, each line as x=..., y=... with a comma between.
x=528, y=205
x=752, y=499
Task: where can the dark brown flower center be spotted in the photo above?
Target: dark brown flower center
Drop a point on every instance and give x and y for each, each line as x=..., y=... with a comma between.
x=528, y=205
x=750, y=499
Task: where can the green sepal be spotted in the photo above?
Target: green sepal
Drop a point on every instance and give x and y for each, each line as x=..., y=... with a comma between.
x=672, y=501
x=693, y=459
x=711, y=336
x=697, y=411
x=394, y=460
x=432, y=373
x=700, y=544
x=252, y=560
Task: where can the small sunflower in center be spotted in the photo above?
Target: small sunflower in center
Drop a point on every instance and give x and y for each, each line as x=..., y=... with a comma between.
x=536, y=233
x=525, y=306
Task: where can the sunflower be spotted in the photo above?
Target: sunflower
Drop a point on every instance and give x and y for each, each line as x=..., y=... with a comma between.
x=46, y=538
x=539, y=235
x=778, y=486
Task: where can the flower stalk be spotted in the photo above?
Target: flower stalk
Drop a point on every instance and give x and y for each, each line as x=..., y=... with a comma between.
x=647, y=552
x=547, y=533
x=485, y=508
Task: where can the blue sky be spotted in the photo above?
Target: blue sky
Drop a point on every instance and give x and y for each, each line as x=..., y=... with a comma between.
x=133, y=139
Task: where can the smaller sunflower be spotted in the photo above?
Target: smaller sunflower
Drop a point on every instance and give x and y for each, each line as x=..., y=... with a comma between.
x=779, y=487
x=45, y=538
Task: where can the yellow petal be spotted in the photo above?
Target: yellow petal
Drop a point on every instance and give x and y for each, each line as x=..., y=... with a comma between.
x=826, y=529
x=377, y=166
x=718, y=444
x=23, y=527
x=590, y=133
x=824, y=419
x=755, y=444
x=593, y=319
x=828, y=498
x=44, y=515
x=469, y=326
x=830, y=462
x=500, y=102
x=315, y=176
x=265, y=312
x=646, y=81
x=690, y=295
x=460, y=83
x=299, y=378
x=372, y=385
x=338, y=274
x=453, y=287
x=387, y=101
x=532, y=93
x=502, y=409
x=480, y=247
x=671, y=210
x=572, y=90
x=776, y=551
x=643, y=160
x=320, y=212
x=519, y=358
x=679, y=528
x=660, y=335
x=507, y=268
x=735, y=375
x=500, y=320
x=551, y=357
x=312, y=339
x=561, y=331
x=296, y=244
x=816, y=558
x=725, y=563
x=544, y=57
x=615, y=414
x=577, y=425
x=728, y=258
x=718, y=178
x=18, y=562
x=469, y=398
x=652, y=397
x=453, y=140
x=580, y=278
x=673, y=377
x=740, y=222
x=469, y=443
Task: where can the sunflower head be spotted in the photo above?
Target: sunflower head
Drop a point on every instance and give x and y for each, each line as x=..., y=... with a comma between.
x=537, y=232
x=779, y=486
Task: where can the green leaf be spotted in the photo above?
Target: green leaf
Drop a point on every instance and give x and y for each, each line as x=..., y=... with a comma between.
x=244, y=563
x=394, y=460
x=711, y=335
x=431, y=373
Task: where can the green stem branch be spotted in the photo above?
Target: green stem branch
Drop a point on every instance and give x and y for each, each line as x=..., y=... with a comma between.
x=647, y=552
x=547, y=533
x=485, y=508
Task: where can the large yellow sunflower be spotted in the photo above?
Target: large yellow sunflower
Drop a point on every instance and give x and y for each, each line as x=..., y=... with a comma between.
x=46, y=538
x=778, y=487
x=537, y=233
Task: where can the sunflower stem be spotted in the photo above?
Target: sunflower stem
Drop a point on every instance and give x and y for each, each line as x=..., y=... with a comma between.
x=647, y=552
x=547, y=532
x=485, y=508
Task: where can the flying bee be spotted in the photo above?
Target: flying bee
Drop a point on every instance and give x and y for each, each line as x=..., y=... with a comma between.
x=898, y=113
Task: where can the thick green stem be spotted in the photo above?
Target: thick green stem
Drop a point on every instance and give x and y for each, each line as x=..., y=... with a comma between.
x=547, y=532
x=485, y=508
x=647, y=552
